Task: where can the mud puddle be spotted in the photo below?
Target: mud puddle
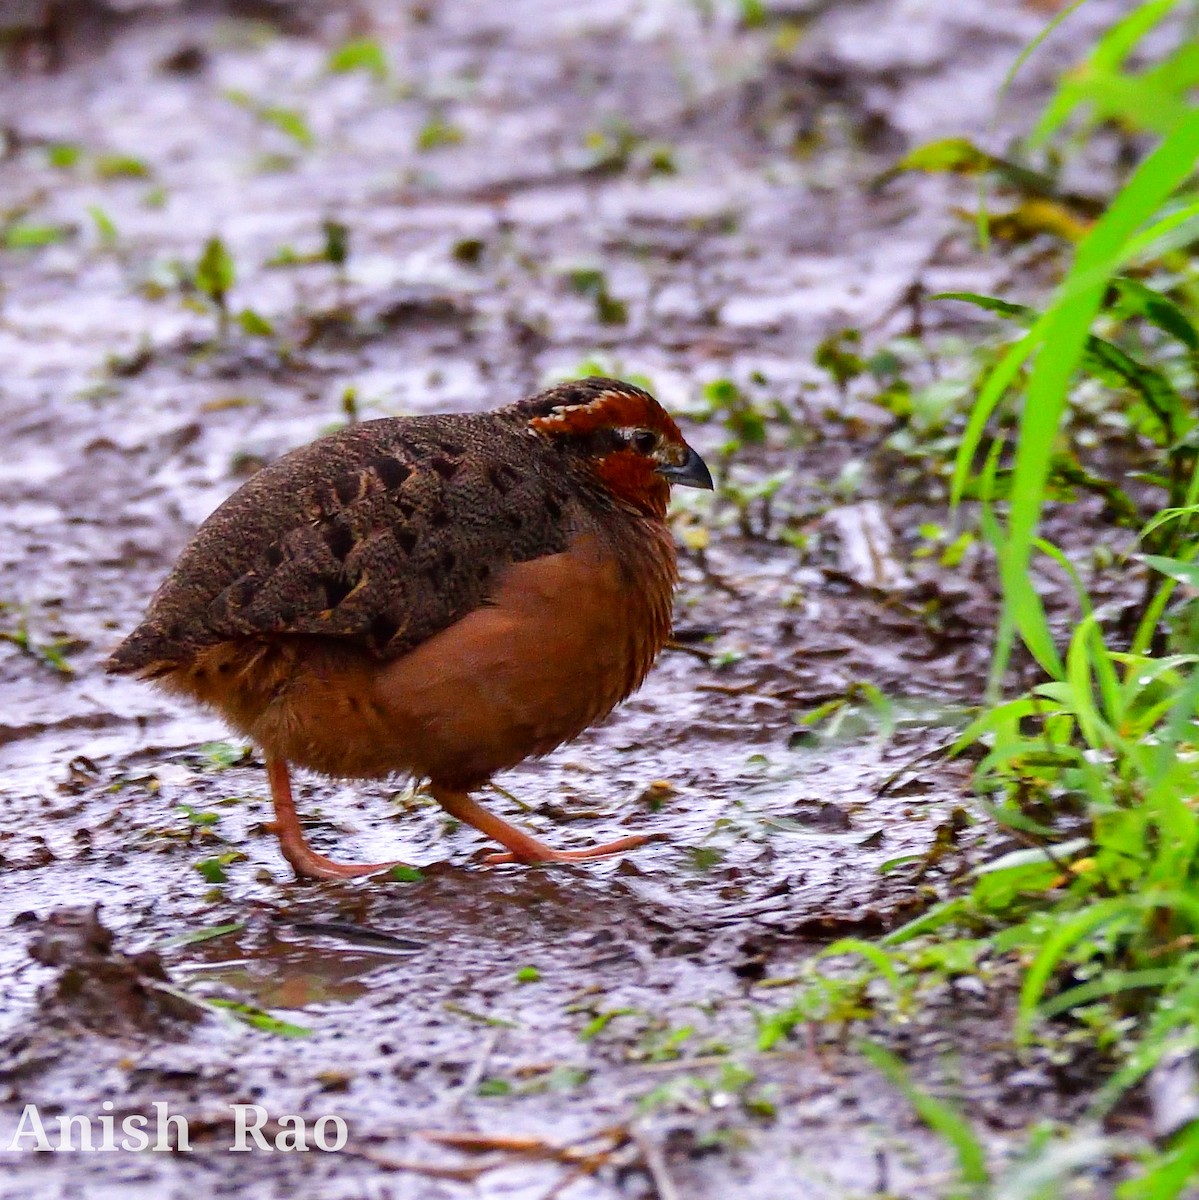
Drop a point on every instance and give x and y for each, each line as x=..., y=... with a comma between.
x=643, y=188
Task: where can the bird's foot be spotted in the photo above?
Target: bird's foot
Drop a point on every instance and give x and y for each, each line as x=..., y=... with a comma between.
x=538, y=852
x=307, y=864
x=304, y=860
x=520, y=846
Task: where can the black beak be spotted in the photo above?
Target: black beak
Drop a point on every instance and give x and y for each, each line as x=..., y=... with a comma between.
x=693, y=472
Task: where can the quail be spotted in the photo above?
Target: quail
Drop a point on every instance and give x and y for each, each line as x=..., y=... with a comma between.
x=440, y=597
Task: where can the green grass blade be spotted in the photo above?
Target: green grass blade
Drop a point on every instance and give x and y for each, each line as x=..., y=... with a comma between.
x=1053, y=950
x=1063, y=334
x=879, y=959
x=950, y=1126
x=1171, y=1175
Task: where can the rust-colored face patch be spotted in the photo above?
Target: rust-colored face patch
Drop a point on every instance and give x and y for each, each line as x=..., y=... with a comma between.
x=624, y=408
x=631, y=477
x=606, y=428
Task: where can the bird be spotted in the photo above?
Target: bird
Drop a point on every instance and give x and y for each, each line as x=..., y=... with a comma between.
x=439, y=597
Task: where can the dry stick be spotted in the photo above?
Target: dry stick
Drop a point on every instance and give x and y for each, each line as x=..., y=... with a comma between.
x=655, y=1164
x=569, y=1178
x=471, y=1081
x=695, y=651
x=904, y=768
x=461, y=1174
x=512, y=799
x=684, y=1064
x=530, y=1144
x=592, y=1167
x=484, y=1143
x=570, y=1155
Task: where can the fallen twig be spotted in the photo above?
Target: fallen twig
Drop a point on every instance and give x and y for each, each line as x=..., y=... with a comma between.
x=655, y=1165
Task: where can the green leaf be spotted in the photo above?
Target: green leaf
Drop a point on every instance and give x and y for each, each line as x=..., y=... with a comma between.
x=18, y=236
x=1173, y=568
x=213, y=869
x=289, y=121
x=1137, y=297
x=121, y=166
x=599, y=1023
x=63, y=155
x=1052, y=951
x=1005, y=308
x=198, y=816
x=876, y=957
x=336, y=249
x=437, y=133
x=255, y=324
x=215, y=271
x=960, y=156
x=105, y=226
x=222, y=754
x=206, y=935
x=1142, y=101
x=1034, y=857
x=1170, y=1174
x=402, y=873
x=361, y=54
x=1064, y=331
x=1108, y=362
x=1176, y=227
x=837, y=354
x=260, y=1019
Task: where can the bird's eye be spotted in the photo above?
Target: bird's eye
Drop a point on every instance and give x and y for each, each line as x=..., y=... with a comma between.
x=644, y=441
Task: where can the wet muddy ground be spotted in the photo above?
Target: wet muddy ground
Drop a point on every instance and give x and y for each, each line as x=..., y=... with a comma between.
x=652, y=188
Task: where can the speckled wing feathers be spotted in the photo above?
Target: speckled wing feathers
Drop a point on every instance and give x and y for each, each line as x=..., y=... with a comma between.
x=383, y=535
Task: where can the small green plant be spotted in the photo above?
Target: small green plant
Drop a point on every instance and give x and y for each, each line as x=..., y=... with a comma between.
x=63, y=155
x=290, y=122
x=120, y=166
x=256, y=1018
x=360, y=54
x=618, y=147
x=198, y=817
x=219, y=755
x=52, y=653
x=1109, y=86
x=214, y=276
x=213, y=868
x=437, y=133
x=26, y=235
x=591, y=281
x=106, y=228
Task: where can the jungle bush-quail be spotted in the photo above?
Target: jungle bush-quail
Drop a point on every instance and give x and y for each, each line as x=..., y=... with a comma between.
x=439, y=596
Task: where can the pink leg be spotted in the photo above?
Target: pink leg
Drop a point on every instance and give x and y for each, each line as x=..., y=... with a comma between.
x=305, y=861
x=521, y=847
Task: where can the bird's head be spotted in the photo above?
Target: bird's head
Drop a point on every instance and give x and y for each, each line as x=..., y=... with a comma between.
x=619, y=435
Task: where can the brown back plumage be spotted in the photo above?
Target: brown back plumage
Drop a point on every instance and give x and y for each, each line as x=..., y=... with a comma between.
x=381, y=534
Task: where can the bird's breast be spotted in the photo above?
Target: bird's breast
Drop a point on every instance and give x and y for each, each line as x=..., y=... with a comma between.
x=562, y=640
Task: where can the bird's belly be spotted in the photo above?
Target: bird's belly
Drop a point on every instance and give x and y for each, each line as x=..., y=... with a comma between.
x=562, y=641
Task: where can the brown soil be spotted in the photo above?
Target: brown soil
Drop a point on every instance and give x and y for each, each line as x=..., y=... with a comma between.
x=720, y=177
